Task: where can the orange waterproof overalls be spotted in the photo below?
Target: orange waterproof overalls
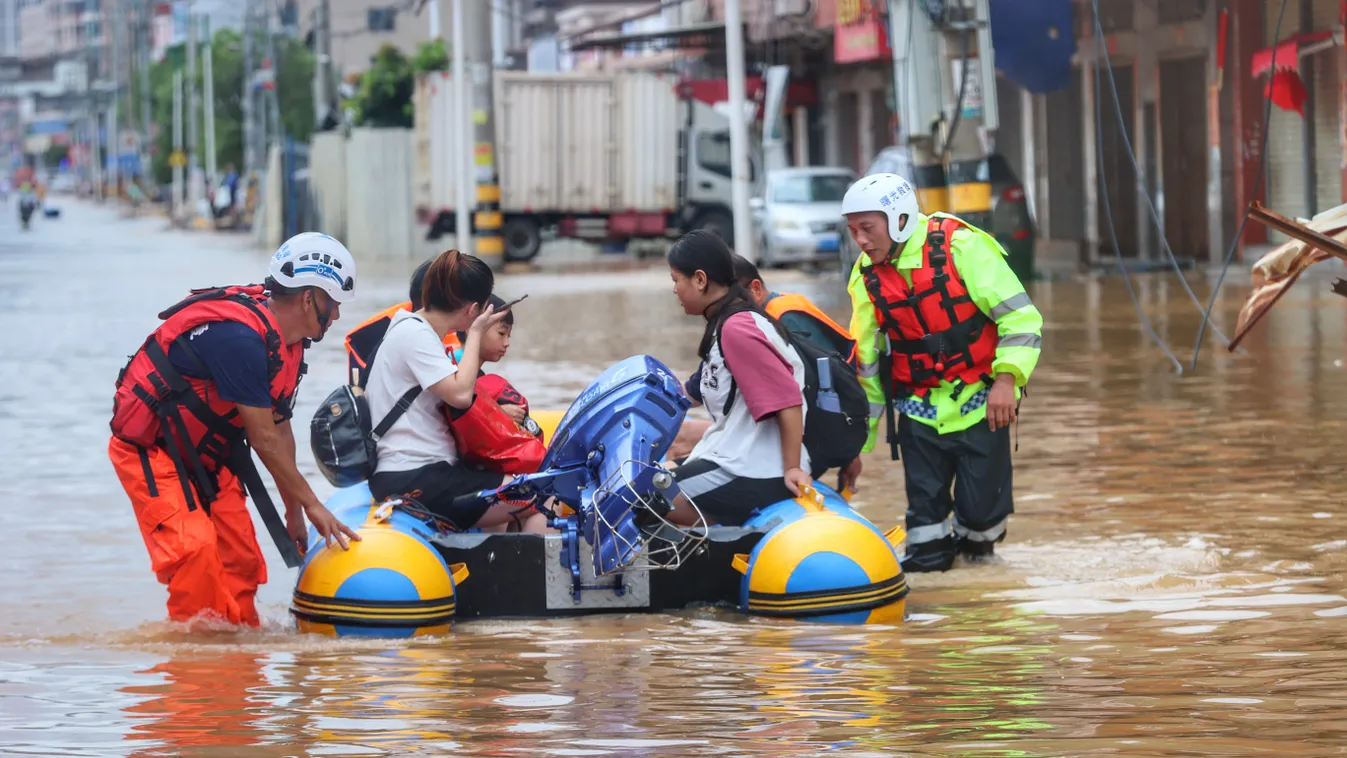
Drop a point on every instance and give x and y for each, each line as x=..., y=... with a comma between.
x=180, y=453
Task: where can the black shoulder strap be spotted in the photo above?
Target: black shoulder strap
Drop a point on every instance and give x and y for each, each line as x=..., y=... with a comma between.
x=241, y=464
x=405, y=402
x=734, y=388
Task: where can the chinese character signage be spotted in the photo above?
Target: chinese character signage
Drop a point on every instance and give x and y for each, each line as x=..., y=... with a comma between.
x=858, y=32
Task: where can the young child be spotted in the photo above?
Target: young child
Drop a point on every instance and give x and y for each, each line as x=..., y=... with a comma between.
x=495, y=344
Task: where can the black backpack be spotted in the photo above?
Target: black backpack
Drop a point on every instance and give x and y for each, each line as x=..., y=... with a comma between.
x=344, y=440
x=838, y=421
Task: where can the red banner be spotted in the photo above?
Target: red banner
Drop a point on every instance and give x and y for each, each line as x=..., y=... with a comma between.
x=858, y=33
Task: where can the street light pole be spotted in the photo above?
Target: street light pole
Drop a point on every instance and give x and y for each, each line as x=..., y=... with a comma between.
x=177, y=144
x=739, y=167
x=208, y=76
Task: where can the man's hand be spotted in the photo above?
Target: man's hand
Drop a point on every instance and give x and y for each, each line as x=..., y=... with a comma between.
x=1001, y=402
x=515, y=412
x=297, y=528
x=328, y=525
x=849, y=475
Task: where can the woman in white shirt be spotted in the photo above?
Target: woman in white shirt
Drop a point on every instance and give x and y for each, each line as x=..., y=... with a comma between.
x=752, y=381
x=417, y=457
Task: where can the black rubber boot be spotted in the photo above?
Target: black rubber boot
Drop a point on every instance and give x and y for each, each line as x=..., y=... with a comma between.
x=936, y=555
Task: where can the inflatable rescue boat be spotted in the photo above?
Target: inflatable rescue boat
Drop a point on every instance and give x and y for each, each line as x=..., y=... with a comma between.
x=812, y=558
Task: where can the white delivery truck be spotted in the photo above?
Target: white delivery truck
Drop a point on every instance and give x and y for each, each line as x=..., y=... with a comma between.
x=602, y=157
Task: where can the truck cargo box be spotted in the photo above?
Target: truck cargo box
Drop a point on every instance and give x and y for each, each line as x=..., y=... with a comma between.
x=565, y=143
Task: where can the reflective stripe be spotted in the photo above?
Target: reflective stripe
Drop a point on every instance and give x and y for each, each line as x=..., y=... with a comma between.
x=868, y=370
x=986, y=535
x=1010, y=305
x=978, y=400
x=876, y=410
x=917, y=409
x=919, y=534
x=1020, y=340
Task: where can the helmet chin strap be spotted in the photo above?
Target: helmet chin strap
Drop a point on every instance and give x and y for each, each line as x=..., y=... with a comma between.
x=893, y=250
x=324, y=317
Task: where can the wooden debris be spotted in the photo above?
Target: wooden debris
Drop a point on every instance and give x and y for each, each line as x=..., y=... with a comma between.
x=1324, y=237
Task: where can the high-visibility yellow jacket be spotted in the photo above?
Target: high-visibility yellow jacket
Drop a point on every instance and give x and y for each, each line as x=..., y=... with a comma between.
x=997, y=292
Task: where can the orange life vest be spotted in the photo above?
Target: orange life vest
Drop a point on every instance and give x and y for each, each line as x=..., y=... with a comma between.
x=155, y=405
x=935, y=330
x=781, y=304
x=363, y=341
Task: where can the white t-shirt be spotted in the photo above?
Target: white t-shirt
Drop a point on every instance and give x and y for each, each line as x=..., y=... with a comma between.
x=410, y=354
x=739, y=444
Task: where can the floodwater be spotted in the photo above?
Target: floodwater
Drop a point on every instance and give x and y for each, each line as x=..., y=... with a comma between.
x=1172, y=583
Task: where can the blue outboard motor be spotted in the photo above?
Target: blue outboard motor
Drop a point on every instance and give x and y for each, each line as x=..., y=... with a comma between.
x=613, y=438
x=604, y=463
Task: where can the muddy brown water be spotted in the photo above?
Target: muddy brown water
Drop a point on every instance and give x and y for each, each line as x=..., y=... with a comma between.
x=1172, y=583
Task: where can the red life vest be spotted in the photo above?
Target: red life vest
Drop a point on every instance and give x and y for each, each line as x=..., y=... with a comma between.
x=155, y=404
x=935, y=330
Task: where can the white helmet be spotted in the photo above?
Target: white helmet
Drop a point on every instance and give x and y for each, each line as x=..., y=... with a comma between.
x=313, y=259
x=889, y=194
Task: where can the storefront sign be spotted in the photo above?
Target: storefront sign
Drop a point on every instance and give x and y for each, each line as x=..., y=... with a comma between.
x=858, y=32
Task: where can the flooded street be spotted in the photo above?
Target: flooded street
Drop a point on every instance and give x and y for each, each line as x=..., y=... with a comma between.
x=1172, y=583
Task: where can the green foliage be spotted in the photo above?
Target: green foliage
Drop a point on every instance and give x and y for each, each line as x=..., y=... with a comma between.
x=385, y=94
x=431, y=56
x=294, y=93
x=384, y=98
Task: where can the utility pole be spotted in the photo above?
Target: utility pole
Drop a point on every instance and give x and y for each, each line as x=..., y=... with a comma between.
x=146, y=119
x=274, y=127
x=112, y=37
x=739, y=169
x=464, y=181
x=208, y=74
x=943, y=132
x=95, y=124
x=193, y=115
x=177, y=144
x=321, y=86
x=249, y=101
x=490, y=246
x=435, y=18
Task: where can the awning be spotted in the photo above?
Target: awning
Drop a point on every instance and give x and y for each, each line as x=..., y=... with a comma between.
x=691, y=37
x=1290, y=51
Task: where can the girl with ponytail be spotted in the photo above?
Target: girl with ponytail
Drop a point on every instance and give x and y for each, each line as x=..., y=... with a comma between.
x=417, y=457
x=752, y=384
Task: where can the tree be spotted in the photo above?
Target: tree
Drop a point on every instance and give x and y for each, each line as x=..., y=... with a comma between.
x=385, y=94
x=431, y=56
x=384, y=98
x=294, y=67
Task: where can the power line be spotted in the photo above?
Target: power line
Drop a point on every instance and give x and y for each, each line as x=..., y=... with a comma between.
x=1108, y=207
x=1258, y=180
x=1150, y=204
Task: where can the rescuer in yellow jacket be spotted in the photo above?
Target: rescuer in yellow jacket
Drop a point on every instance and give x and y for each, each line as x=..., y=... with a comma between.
x=946, y=338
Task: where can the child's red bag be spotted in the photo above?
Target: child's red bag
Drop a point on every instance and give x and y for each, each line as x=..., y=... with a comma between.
x=487, y=437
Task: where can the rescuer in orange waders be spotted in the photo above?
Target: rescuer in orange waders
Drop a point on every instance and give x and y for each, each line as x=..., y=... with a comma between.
x=214, y=381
